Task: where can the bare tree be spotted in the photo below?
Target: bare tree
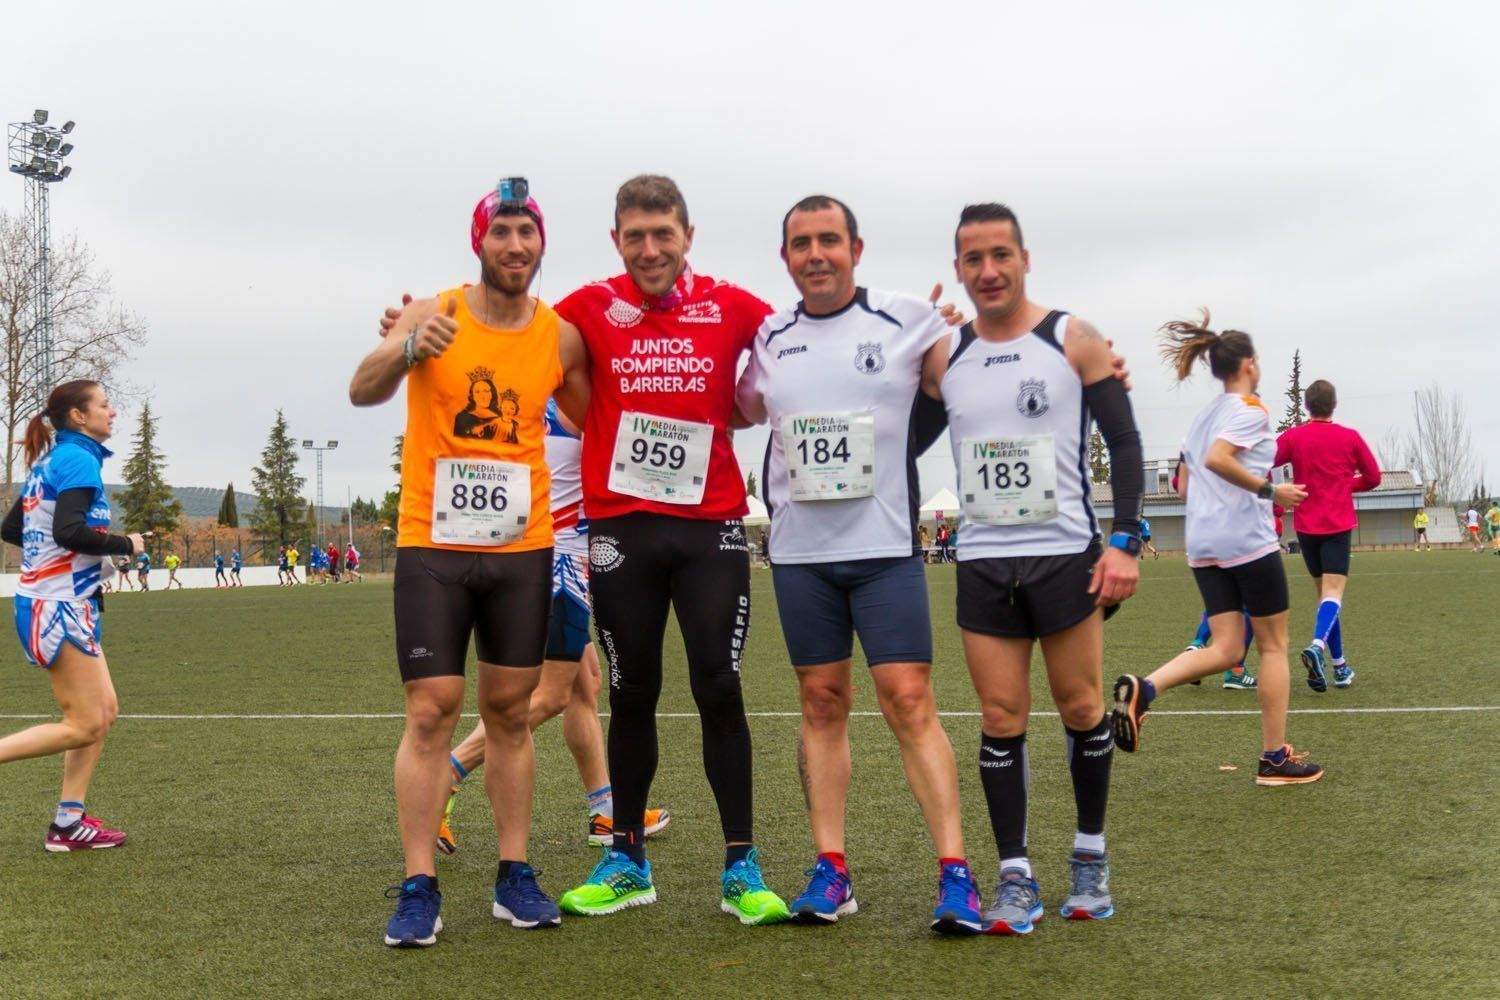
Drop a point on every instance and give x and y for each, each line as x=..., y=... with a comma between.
x=1440, y=445
x=93, y=336
x=1392, y=450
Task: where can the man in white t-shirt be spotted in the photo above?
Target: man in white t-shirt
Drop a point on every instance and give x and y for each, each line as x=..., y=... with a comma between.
x=1471, y=520
x=837, y=377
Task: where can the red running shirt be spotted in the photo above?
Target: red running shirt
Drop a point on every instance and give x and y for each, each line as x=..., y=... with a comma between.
x=1332, y=462
x=675, y=356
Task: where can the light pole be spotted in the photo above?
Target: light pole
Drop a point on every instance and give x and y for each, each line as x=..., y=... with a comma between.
x=35, y=150
x=309, y=445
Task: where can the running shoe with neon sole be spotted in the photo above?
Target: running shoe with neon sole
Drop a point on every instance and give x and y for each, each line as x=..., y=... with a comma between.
x=744, y=894
x=88, y=834
x=616, y=883
x=828, y=896
x=1088, y=893
x=1243, y=681
x=1129, y=712
x=1312, y=659
x=959, y=908
x=446, y=841
x=1295, y=769
x=1343, y=675
x=602, y=828
x=521, y=901
x=1017, y=906
x=416, y=922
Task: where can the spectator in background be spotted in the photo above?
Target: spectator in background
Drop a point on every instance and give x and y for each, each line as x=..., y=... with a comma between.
x=924, y=539
x=1419, y=525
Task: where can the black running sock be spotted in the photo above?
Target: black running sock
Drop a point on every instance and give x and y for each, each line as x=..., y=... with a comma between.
x=505, y=869
x=631, y=841
x=1090, y=753
x=1003, y=770
x=736, y=852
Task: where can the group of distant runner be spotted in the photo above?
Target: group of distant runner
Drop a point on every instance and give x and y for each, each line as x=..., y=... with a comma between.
x=324, y=565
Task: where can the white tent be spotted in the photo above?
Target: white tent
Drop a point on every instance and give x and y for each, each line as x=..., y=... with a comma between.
x=758, y=514
x=942, y=502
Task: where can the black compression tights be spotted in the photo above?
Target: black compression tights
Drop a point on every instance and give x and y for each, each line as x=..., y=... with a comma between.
x=640, y=564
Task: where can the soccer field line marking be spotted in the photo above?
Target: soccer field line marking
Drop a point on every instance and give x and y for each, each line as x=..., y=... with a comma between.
x=339, y=716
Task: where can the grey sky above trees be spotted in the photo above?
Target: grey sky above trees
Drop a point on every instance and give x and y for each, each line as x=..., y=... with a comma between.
x=261, y=178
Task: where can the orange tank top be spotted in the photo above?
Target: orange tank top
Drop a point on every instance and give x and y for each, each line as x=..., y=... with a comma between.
x=484, y=400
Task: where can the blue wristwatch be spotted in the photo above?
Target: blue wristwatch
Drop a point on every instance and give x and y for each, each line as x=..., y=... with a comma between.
x=1125, y=543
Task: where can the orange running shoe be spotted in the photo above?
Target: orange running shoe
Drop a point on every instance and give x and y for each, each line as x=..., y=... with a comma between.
x=602, y=828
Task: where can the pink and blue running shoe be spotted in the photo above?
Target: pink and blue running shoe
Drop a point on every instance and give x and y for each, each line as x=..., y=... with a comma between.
x=828, y=896
x=958, y=906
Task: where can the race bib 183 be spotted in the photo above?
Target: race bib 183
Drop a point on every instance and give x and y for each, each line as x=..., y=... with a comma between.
x=829, y=456
x=658, y=458
x=1009, y=480
x=479, y=501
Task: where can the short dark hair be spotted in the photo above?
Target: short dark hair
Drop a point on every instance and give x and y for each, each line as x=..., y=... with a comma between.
x=651, y=193
x=1321, y=399
x=988, y=211
x=816, y=203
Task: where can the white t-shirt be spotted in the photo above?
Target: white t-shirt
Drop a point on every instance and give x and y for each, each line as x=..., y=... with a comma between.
x=1226, y=525
x=838, y=391
x=1473, y=516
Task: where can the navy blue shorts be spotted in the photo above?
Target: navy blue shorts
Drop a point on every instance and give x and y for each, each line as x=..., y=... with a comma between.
x=823, y=605
x=567, y=628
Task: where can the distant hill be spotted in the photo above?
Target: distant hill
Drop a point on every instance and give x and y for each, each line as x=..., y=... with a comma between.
x=203, y=501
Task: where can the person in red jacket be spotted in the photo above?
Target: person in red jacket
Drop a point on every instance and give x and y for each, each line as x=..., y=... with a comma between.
x=1333, y=463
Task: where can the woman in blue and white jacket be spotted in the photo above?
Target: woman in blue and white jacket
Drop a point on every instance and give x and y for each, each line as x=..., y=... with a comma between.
x=61, y=522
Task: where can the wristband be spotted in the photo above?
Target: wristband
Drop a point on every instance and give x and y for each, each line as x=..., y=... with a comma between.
x=1125, y=543
x=407, y=350
x=1267, y=490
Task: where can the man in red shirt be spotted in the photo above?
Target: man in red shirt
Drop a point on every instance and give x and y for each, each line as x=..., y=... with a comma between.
x=1332, y=462
x=665, y=498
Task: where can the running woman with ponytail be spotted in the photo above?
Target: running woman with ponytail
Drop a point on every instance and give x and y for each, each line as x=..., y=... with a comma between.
x=61, y=523
x=1232, y=548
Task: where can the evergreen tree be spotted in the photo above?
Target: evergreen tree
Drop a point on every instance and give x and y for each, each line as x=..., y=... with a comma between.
x=229, y=512
x=147, y=502
x=1294, y=414
x=1098, y=458
x=390, y=506
x=278, y=514
x=312, y=522
x=364, y=511
x=751, y=488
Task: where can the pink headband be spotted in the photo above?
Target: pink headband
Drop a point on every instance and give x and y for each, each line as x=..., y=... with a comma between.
x=489, y=207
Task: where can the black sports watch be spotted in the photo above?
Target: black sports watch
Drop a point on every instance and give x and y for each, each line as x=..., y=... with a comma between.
x=1267, y=490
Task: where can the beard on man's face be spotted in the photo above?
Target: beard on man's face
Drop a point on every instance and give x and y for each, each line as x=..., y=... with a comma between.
x=506, y=281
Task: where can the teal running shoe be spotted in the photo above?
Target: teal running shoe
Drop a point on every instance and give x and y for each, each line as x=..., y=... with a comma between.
x=1243, y=681
x=1312, y=659
x=745, y=896
x=1343, y=675
x=615, y=883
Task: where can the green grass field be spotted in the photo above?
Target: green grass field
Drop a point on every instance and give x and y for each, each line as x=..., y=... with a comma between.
x=260, y=846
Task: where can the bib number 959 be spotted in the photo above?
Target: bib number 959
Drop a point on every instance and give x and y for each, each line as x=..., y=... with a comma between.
x=658, y=454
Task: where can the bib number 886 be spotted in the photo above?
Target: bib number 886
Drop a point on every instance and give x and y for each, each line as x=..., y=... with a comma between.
x=478, y=497
x=999, y=476
x=658, y=454
x=823, y=451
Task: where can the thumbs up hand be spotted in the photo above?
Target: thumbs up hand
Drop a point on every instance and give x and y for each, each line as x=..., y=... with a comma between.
x=950, y=313
x=432, y=338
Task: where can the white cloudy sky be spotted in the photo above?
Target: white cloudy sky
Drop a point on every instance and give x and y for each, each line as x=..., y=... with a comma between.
x=261, y=178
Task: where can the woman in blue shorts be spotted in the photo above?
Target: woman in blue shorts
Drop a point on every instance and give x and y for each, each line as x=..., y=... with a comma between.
x=61, y=522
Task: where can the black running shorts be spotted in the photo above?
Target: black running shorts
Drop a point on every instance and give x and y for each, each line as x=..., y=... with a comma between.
x=1026, y=597
x=1258, y=587
x=443, y=595
x=1325, y=553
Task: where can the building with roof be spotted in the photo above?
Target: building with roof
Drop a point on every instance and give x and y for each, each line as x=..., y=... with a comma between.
x=1385, y=513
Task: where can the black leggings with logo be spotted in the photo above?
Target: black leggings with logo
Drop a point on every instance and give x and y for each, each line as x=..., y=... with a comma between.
x=638, y=565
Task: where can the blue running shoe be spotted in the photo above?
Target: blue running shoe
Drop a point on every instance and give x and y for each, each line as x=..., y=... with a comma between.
x=416, y=923
x=958, y=905
x=1088, y=896
x=745, y=896
x=1343, y=675
x=1312, y=659
x=1018, y=904
x=521, y=901
x=828, y=896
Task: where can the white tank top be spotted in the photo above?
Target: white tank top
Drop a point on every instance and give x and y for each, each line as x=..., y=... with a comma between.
x=570, y=529
x=1021, y=389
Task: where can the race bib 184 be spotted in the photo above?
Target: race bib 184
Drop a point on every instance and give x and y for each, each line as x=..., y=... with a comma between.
x=479, y=501
x=829, y=456
x=1009, y=480
x=658, y=458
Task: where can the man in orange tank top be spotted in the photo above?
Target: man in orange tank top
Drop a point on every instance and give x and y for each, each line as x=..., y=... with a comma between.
x=474, y=545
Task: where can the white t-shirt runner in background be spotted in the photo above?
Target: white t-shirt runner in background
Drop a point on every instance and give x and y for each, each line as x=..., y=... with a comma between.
x=838, y=391
x=1227, y=525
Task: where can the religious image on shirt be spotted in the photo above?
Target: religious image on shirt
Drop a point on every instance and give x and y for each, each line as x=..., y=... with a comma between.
x=490, y=414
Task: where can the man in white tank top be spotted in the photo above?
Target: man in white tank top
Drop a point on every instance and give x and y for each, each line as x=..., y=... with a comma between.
x=1020, y=385
x=838, y=379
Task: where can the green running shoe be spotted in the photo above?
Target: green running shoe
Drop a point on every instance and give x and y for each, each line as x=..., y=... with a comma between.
x=615, y=883
x=746, y=895
x=1244, y=681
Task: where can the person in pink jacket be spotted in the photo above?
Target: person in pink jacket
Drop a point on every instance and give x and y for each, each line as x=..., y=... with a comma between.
x=1332, y=462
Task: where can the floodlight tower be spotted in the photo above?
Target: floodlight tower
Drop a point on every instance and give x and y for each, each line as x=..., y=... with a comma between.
x=35, y=150
x=309, y=444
